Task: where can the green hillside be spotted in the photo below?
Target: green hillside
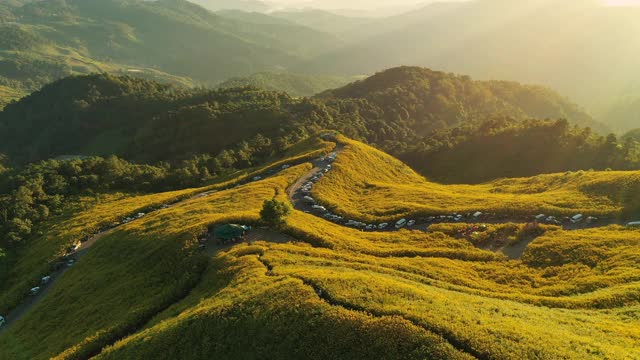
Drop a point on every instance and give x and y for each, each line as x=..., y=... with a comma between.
x=46, y=40
x=144, y=291
x=429, y=119
x=145, y=121
x=431, y=100
x=293, y=84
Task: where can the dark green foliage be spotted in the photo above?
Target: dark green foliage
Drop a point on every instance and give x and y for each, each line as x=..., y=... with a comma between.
x=503, y=147
x=293, y=84
x=144, y=121
x=423, y=100
x=274, y=212
x=434, y=121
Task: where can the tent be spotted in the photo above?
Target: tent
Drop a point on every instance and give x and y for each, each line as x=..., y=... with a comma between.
x=229, y=232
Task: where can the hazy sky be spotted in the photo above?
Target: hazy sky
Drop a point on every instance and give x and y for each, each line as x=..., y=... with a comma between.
x=354, y=4
x=372, y=4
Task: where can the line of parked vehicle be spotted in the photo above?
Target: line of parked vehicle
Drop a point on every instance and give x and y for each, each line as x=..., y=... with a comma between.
x=475, y=217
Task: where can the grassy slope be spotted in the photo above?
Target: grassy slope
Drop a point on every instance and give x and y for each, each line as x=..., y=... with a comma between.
x=160, y=256
x=383, y=188
x=384, y=295
x=34, y=261
x=7, y=94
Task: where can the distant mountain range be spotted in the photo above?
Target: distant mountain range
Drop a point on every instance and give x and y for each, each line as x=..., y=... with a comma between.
x=146, y=121
x=565, y=45
x=569, y=46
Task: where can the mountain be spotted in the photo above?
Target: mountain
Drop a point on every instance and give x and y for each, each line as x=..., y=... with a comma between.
x=426, y=100
x=507, y=40
x=166, y=39
x=324, y=21
x=293, y=84
x=243, y=5
x=412, y=113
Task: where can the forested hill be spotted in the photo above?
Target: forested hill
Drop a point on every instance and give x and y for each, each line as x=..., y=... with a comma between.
x=428, y=100
x=142, y=120
x=293, y=84
x=42, y=41
x=415, y=114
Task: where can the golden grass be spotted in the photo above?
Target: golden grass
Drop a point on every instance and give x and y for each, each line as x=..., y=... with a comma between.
x=400, y=295
x=369, y=185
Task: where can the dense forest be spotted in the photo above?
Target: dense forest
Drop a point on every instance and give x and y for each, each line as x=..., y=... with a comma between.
x=292, y=84
x=144, y=121
x=503, y=147
x=422, y=100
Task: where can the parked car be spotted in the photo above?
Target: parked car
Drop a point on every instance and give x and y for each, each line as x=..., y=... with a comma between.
x=319, y=208
x=401, y=223
x=46, y=279
x=257, y=178
x=577, y=218
x=410, y=223
x=383, y=226
x=35, y=290
x=634, y=224
x=2, y=321
x=70, y=263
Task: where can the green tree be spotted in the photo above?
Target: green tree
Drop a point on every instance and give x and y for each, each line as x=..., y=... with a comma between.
x=274, y=212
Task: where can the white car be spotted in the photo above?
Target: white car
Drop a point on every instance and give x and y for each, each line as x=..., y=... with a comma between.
x=634, y=224
x=35, y=290
x=257, y=178
x=2, y=321
x=577, y=218
x=319, y=208
x=401, y=223
x=411, y=223
x=285, y=167
x=46, y=279
x=383, y=226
